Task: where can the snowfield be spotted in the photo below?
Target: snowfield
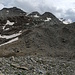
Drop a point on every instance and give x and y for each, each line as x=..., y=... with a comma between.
x=8, y=23
x=15, y=39
x=10, y=36
x=48, y=19
x=36, y=16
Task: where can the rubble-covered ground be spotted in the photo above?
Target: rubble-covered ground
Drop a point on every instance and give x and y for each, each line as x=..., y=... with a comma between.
x=33, y=65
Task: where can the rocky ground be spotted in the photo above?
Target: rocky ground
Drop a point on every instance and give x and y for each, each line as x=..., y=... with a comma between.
x=33, y=65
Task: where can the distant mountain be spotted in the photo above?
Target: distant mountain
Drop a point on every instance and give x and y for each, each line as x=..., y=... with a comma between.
x=11, y=12
x=35, y=34
x=68, y=21
x=47, y=16
x=34, y=14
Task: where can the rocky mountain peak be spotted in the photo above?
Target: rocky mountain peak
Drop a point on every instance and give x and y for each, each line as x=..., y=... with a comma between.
x=11, y=12
x=34, y=14
x=48, y=14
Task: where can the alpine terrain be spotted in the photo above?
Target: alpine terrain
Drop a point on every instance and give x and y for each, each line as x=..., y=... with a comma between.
x=35, y=44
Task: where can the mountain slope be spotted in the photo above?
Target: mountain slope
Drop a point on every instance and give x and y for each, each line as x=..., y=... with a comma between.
x=43, y=36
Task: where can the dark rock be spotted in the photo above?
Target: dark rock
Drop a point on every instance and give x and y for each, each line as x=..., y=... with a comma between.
x=11, y=12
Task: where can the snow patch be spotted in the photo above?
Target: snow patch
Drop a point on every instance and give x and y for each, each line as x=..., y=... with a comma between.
x=7, y=29
x=27, y=23
x=9, y=23
x=7, y=11
x=48, y=19
x=20, y=31
x=4, y=27
x=10, y=36
x=68, y=21
x=61, y=19
x=15, y=39
x=36, y=16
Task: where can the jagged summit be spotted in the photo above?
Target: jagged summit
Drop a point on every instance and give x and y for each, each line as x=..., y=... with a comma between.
x=34, y=14
x=49, y=17
x=11, y=12
x=14, y=8
x=14, y=11
x=48, y=14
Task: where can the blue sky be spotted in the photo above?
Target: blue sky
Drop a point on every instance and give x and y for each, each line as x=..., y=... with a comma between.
x=60, y=8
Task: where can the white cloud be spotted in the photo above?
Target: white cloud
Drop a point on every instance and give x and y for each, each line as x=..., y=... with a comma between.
x=1, y=6
x=58, y=7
